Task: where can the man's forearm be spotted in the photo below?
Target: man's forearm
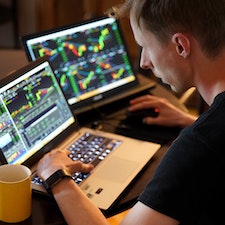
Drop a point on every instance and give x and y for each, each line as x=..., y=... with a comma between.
x=75, y=206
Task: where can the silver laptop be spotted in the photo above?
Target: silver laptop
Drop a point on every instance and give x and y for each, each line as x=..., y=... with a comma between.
x=90, y=61
x=35, y=118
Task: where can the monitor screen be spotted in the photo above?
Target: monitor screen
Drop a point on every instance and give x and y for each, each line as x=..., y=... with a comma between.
x=33, y=111
x=90, y=60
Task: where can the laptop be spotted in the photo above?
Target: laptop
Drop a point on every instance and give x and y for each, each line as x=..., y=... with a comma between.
x=35, y=118
x=90, y=60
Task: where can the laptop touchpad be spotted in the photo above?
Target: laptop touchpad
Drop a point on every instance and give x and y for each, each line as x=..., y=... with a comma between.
x=116, y=169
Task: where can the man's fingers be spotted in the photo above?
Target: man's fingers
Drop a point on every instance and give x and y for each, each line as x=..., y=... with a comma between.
x=81, y=167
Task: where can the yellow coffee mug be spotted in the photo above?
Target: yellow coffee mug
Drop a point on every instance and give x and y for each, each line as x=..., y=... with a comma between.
x=15, y=193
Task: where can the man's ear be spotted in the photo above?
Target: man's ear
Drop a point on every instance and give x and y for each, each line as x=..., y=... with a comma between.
x=182, y=44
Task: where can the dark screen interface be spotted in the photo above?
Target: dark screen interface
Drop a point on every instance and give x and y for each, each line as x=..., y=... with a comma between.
x=87, y=60
x=33, y=111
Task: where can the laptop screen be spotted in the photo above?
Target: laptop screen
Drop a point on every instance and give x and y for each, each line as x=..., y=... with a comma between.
x=90, y=60
x=33, y=111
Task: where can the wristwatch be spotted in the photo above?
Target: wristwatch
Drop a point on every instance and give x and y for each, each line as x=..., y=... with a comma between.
x=55, y=178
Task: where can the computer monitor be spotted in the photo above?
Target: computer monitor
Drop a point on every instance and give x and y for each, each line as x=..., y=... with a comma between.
x=33, y=111
x=90, y=60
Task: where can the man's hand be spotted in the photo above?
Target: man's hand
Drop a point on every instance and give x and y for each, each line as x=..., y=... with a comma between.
x=58, y=159
x=169, y=115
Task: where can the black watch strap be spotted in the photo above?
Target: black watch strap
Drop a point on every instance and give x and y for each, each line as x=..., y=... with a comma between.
x=55, y=178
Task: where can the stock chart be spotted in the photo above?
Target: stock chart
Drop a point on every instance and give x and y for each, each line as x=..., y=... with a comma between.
x=30, y=111
x=87, y=60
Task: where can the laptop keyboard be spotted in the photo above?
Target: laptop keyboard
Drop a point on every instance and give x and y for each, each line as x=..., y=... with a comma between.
x=89, y=148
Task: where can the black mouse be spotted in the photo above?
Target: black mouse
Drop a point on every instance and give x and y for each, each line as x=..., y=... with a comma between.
x=140, y=114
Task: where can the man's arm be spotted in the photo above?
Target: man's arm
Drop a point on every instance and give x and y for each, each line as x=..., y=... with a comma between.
x=76, y=207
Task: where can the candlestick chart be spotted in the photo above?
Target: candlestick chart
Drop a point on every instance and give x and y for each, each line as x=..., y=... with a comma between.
x=86, y=60
x=29, y=112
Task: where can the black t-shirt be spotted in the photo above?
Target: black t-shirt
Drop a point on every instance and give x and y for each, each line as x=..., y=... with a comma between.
x=189, y=183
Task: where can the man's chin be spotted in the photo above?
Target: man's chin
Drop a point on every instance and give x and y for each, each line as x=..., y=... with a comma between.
x=167, y=85
x=176, y=90
x=173, y=88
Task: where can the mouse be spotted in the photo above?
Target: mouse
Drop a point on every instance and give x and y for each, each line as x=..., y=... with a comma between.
x=140, y=114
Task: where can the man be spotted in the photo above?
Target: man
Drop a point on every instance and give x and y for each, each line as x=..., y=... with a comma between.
x=183, y=42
